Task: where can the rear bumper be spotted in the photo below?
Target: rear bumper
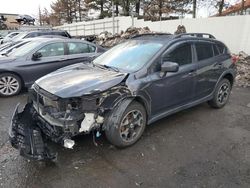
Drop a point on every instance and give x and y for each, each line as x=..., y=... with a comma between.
x=27, y=137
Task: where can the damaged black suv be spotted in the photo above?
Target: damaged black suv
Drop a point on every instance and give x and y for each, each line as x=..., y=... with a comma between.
x=131, y=85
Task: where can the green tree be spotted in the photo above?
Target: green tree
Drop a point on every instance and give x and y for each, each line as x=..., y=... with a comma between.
x=69, y=10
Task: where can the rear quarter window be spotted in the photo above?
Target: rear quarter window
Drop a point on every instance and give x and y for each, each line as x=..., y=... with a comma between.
x=204, y=51
x=80, y=48
x=222, y=48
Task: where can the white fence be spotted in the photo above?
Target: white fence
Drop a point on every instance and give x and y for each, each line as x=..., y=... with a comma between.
x=233, y=30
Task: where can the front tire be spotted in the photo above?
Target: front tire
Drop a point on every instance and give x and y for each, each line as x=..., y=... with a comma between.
x=10, y=85
x=125, y=126
x=221, y=94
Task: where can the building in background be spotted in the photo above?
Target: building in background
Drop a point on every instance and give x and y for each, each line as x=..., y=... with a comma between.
x=10, y=20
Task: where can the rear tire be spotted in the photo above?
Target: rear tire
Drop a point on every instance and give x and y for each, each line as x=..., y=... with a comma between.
x=125, y=126
x=10, y=85
x=221, y=94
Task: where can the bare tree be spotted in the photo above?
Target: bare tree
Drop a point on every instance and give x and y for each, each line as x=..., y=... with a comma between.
x=194, y=8
x=242, y=7
x=155, y=9
x=221, y=5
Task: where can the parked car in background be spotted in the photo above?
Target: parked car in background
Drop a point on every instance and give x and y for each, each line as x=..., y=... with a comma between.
x=25, y=19
x=39, y=57
x=32, y=34
x=9, y=47
x=131, y=85
x=8, y=37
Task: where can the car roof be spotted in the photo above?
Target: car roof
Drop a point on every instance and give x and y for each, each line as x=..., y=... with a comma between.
x=152, y=36
x=56, y=40
x=44, y=31
x=166, y=37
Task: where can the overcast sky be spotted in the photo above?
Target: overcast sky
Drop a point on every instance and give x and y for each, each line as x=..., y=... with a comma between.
x=23, y=6
x=31, y=7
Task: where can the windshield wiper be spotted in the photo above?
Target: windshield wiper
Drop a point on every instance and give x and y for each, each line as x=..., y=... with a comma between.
x=111, y=67
x=98, y=65
x=5, y=54
x=106, y=67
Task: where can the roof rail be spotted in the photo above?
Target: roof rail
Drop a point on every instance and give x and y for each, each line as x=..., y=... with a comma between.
x=149, y=34
x=201, y=35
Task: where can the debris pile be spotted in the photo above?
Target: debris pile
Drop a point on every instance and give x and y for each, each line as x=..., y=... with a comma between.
x=180, y=29
x=243, y=70
x=108, y=40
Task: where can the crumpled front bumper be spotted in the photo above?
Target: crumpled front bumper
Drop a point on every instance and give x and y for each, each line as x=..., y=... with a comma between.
x=27, y=137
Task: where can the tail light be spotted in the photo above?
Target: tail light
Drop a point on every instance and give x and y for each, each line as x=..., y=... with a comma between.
x=234, y=59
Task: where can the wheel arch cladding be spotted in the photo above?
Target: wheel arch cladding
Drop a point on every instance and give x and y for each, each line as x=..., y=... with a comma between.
x=229, y=77
x=144, y=104
x=121, y=105
x=139, y=99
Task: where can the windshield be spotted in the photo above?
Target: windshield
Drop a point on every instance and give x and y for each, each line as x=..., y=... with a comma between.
x=23, y=50
x=129, y=56
x=14, y=47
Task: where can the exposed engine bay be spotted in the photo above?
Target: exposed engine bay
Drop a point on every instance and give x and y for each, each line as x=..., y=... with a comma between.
x=47, y=118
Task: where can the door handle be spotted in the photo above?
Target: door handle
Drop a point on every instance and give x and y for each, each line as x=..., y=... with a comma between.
x=220, y=65
x=192, y=72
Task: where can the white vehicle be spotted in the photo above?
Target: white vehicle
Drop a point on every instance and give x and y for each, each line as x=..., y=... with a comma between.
x=9, y=37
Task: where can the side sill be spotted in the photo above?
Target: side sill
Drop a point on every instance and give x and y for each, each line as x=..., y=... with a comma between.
x=180, y=108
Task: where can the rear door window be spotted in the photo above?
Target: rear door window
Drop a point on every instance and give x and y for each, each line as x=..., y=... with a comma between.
x=216, y=51
x=181, y=55
x=55, y=49
x=204, y=51
x=79, y=48
x=91, y=48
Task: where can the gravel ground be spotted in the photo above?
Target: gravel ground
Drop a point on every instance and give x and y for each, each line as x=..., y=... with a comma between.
x=199, y=147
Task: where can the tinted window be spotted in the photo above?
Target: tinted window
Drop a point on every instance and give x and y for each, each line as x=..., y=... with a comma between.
x=55, y=49
x=42, y=34
x=31, y=35
x=221, y=48
x=79, y=48
x=204, y=51
x=181, y=55
x=91, y=48
x=13, y=34
x=216, y=51
x=60, y=33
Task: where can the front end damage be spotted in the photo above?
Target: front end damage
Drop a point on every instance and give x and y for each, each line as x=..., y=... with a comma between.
x=27, y=137
x=47, y=118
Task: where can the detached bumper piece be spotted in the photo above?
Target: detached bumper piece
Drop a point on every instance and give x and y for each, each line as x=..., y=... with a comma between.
x=27, y=137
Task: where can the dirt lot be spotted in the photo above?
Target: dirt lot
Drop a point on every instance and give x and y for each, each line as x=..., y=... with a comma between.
x=199, y=147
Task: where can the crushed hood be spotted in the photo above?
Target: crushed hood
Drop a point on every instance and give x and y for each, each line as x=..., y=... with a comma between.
x=78, y=80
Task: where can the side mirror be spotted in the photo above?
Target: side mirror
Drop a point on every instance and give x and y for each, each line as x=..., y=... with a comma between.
x=169, y=67
x=36, y=56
